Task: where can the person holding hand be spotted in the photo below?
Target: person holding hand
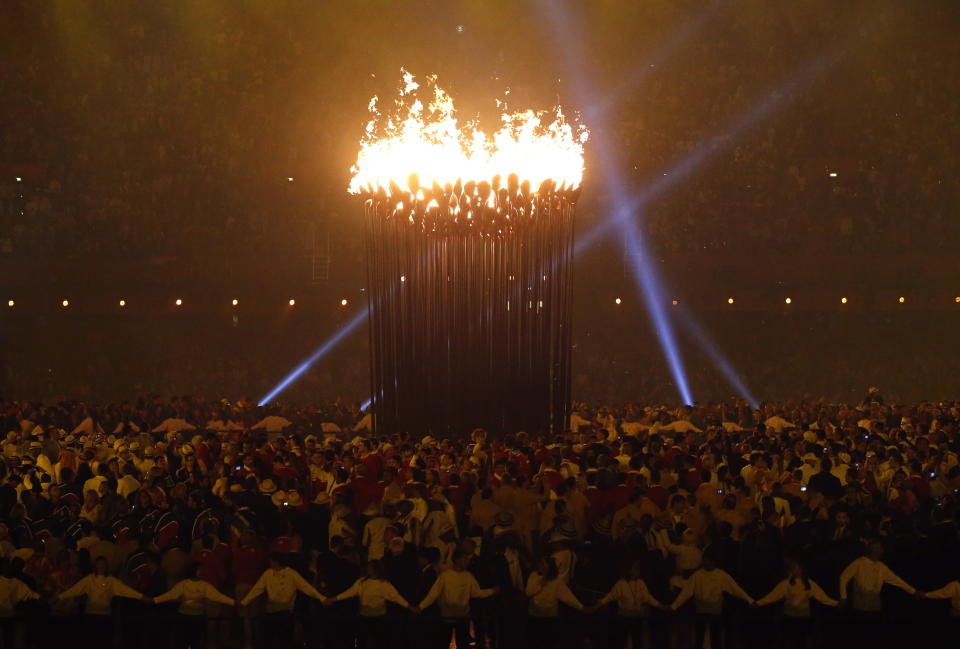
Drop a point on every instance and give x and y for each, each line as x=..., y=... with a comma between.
x=100, y=589
x=192, y=593
x=545, y=590
x=633, y=600
x=373, y=592
x=796, y=591
x=281, y=585
x=453, y=590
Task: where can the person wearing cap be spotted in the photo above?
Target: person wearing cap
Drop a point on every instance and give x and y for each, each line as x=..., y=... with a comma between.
x=128, y=483
x=811, y=465
x=373, y=537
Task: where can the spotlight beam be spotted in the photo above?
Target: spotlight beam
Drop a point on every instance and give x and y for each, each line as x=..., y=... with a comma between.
x=693, y=328
x=359, y=318
x=653, y=297
x=708, y=148
x=645, y=273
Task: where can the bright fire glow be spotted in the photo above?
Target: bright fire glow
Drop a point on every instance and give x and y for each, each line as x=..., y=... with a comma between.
x=427, y=140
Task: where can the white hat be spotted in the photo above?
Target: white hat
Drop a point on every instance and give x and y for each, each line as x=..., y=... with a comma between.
x=268, y=486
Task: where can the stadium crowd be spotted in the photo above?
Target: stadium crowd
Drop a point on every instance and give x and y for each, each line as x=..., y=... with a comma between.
x=169, y=139
x=189, y=523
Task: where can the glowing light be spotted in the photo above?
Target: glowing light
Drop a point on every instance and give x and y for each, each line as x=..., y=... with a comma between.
x=403, y=278
x=292, y=302
x=617, y=301
x=65, y=303
x=123, y=303
x=179, y=302
x=10, y=302
x=675, y=302
x=423, y=139
x=343, y=302
x=902, y=300
x=956, y=299
x=289, y=179
x=729, y=300
x=843, y=300
x=235, y=302
x=321, y=351
x=19, y=179
x=833, y=174
x=788, y=301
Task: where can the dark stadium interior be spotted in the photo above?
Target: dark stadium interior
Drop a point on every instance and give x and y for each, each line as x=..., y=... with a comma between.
x=765, y=310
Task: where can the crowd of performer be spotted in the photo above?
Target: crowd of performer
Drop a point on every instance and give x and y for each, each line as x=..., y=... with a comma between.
x=187, y=523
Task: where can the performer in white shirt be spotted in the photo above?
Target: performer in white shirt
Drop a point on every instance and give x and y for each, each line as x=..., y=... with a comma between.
x=545, y=590
x=12, y=592
x=869, y=574
x=373, y=592
x=633, y=600
x=453, y=590
x=100, y=589
x=796, y=591
x=281, y=584
x=952, y=592
x=193, y=593
x=707, y=587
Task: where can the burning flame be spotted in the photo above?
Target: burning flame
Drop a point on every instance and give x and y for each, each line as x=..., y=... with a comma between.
x=426, y=141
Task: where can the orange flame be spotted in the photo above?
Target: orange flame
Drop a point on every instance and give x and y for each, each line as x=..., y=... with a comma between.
x=428, y=142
